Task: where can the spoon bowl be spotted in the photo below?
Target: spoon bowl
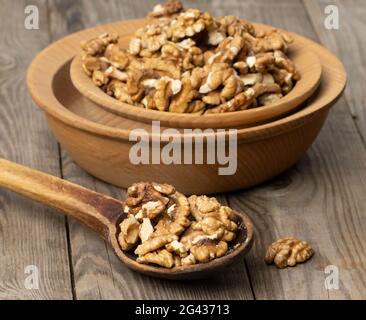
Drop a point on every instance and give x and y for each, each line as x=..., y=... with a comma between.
x=237, y=249
x=103, y=214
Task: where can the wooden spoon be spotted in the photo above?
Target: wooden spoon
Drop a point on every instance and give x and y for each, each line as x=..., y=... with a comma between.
x=103, y=214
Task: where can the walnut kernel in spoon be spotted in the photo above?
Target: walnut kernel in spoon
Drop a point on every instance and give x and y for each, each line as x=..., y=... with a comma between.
x=163, y=227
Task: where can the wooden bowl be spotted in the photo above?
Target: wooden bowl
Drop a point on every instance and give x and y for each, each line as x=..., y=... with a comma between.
x=99, y=141
x=306, y=61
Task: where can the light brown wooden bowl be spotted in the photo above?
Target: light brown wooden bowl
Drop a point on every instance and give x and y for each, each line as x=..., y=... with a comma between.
x=306, y=61
x=99, y=141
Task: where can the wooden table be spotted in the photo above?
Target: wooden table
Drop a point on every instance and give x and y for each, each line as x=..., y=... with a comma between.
x=322, y=199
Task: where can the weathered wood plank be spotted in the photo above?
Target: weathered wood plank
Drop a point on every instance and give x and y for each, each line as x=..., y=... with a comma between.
x=29, y=233
x=322, y=199
x=97, y=272
x=349, y=44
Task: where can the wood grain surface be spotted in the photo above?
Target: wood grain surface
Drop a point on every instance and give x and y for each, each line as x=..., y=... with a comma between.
x=29, y=234
x=322, y=199
x=349, y=43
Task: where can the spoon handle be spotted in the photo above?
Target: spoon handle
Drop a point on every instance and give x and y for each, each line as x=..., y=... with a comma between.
x=95, y=210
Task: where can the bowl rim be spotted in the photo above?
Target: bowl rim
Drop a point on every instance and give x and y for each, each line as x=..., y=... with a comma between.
x=41, y=90
x=311, y=70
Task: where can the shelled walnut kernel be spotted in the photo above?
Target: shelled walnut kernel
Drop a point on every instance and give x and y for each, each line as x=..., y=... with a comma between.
x=165, y=228
x=187, y=61
x=287, y=252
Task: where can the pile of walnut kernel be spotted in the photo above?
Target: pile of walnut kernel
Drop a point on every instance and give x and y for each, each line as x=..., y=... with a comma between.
x=186, y=61
x=165, y=228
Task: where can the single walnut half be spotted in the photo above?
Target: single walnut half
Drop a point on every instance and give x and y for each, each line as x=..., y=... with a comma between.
x=188, y=260
x=177, y=248
x=210, y=226
x=162, y=258
x=207, y=249
x=148, y=40
x=129, y=234
x=175, y=219
x=91, y=64
x=167, y=9
x=243, y=100
x=97, y=46
x=180, y=102
x=216, y=75
x=118, y=89
x=287, y=252
x=145, y=201
x=184, y=54
x=189, y=23
x=233, y=26
x=154, y=243
x=268, y=41
x=156, y=66
x=213, y=218
x=146, y=229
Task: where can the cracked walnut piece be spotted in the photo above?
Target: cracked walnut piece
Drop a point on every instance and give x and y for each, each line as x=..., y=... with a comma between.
x=162, y=258
x=165, y=228
x=129, y=234
x=187, y=61
x=168, y=9
x=287, y=252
